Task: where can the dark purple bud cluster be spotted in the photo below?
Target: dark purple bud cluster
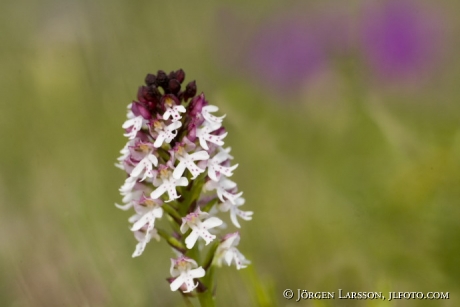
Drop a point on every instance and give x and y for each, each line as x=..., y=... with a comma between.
x=151, y=96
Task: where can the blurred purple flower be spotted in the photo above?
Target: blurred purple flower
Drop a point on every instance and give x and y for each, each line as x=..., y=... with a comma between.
x=285, y=53
x=287, y=49
x=400, y=39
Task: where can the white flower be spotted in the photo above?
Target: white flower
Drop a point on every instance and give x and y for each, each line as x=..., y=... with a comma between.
x=127, y=187
x=168, y=184
x=139, y=150
x=173, y=112
x=186, y=161
x=136, y=124
x=147, y=211
x=124, y=155
x=227, y=251
x=144, y=236
x=185, y=270
x=225, y=152
x=165, y=133
x=209, y=117
x=130, y=195
x=234, y=211
x=129, y=113
x=222, y=186
x=129, y=199
x=144, y=222
x=145, y=166
x=199, y=227
x=147, y=218
x=203, y=134
x=214, y=166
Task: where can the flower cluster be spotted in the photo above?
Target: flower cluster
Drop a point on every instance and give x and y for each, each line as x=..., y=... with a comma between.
x=177, y=167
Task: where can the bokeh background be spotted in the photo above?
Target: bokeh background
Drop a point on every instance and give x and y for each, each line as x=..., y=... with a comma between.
x=343, y=115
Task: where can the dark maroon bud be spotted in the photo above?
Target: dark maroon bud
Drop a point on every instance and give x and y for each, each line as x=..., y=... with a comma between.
x=174, y=86
x=180, y=75
x=135, y=109
x=152, y=94
x=196, y=105
x=180, y=95
x=162, y=79
x=151, y=105
x=139, y=109
x=152, y=97
x=150, y=79
x=192, y=106
x=153, y=91
x=141, y=94
x=190, y=90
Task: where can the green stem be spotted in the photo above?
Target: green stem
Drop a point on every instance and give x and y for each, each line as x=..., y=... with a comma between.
x=188, y=302
x=172, y=212
x=206, y=297
x=210, y=256
x=173, y=242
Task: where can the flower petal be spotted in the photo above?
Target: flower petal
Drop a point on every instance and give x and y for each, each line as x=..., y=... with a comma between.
x=200, y=155
x=177, y=283
x=197, y=273
x=124, y=207
x=158, y=192
x=179, y=170
x=212, y=222
x=191, y=239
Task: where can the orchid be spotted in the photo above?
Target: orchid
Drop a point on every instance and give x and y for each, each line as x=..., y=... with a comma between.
x=234, y=211
x=199, y=227
x=170, y=131
x=228, y=252
x=223, y=187
x=187, y=161
x=134, y=124
x=215, y=167
x=185, y=270
x=204, y=135
x=169, y=184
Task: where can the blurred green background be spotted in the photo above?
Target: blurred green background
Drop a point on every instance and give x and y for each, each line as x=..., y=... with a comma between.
x=344, y=118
